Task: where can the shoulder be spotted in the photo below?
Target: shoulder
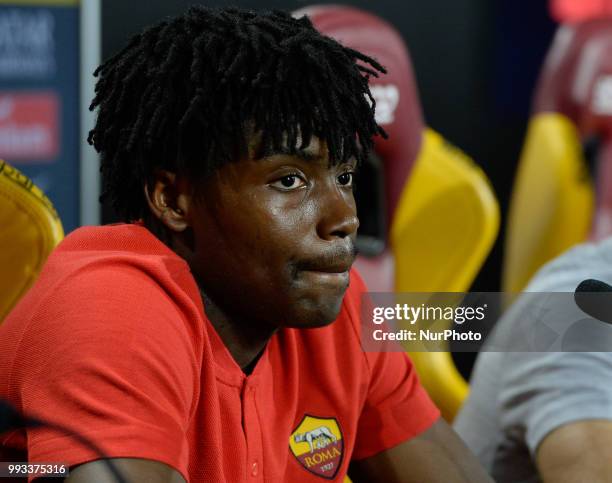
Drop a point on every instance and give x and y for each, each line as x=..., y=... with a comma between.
x=106, y=265
x=564, y=273
x=106, y=311
x=102, y=282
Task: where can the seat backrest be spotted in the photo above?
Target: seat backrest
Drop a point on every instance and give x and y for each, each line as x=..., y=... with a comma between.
x=443, y=217
x=445, y=226
x=446, y=221
x=31, y=228
x=563, y=189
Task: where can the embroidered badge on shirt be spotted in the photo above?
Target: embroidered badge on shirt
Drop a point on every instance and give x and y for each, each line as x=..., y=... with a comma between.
x=317, y=444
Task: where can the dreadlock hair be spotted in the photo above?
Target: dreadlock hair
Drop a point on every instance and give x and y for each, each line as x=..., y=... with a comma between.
x=183, y=93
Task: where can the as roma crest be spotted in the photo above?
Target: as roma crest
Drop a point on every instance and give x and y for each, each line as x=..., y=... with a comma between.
x=317, y=444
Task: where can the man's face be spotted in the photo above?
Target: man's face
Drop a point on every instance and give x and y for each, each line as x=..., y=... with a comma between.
x=274, y=237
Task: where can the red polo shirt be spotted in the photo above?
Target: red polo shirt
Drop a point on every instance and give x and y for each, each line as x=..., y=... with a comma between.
x=112, y=341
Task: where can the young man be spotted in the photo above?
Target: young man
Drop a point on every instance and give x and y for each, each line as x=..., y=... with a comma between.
x=218, y=339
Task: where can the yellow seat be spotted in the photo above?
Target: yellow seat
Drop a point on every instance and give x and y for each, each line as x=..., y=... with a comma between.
x=31, y=228
x=445, y=224
x=553, y=200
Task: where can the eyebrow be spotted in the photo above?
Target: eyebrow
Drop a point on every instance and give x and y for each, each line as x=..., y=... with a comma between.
x=285, y=151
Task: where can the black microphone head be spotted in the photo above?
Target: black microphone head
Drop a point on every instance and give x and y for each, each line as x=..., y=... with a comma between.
x=9, y=417
x=594, y=298
x=591, y=285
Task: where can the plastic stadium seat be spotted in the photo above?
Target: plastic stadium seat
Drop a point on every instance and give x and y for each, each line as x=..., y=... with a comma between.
x=445, y=227
x=442, y=215
x=31, y=228
x=554, y=203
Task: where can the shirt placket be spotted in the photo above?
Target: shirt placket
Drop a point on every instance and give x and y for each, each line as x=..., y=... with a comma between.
x=252, y=428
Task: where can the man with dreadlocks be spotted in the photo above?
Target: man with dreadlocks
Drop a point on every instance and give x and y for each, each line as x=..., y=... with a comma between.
x=195, y=341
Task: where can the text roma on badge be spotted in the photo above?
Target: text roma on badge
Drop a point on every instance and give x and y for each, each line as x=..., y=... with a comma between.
x=318, y=446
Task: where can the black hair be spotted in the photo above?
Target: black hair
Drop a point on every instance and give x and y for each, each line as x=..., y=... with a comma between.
x=183, y=94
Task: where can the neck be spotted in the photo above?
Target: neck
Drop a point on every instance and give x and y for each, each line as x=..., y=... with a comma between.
x=245, y=341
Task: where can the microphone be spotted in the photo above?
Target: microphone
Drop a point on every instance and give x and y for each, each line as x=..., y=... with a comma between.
x=594, y=298
x=11, y=419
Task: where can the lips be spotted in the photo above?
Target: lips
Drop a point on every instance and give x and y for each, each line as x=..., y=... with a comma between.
x=331, y=264
x=336, y=282
x=332, y=268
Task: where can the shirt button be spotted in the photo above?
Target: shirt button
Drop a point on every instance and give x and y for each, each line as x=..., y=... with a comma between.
x=254, y=469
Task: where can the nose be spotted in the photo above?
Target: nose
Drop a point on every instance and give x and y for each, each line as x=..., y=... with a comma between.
x=338, y=215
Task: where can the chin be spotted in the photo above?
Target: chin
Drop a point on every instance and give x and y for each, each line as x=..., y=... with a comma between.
x=312, y=314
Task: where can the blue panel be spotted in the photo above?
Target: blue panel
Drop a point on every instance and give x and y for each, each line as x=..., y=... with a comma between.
x=39, y=87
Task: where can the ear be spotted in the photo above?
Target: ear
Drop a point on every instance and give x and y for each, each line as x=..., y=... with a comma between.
x=169, y=199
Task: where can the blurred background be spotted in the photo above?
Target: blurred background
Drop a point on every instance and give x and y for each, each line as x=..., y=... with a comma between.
x=476, y=64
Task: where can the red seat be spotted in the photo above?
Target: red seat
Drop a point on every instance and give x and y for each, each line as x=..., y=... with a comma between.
x=569, y=143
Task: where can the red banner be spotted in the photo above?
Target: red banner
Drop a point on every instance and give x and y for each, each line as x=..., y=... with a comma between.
x=29, y=126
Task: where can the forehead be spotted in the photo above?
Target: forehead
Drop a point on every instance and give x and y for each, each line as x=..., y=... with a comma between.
x=315, y=149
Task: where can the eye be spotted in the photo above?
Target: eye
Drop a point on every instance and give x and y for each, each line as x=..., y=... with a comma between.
x=346, y=179
x=289, y=182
